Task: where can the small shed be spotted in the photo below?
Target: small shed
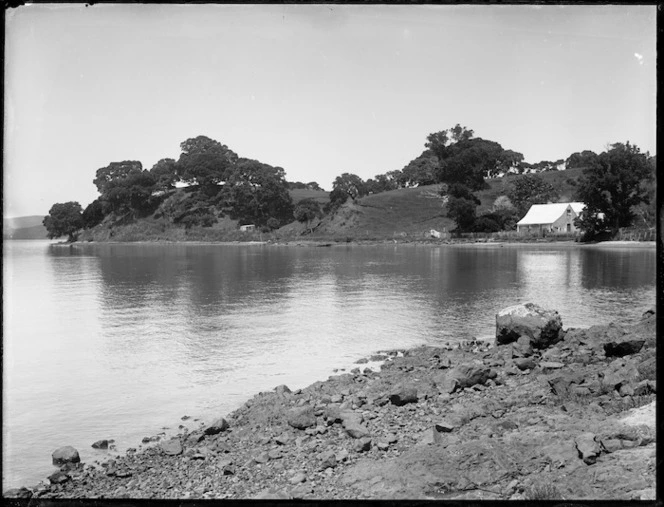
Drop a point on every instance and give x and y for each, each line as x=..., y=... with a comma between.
x=247, y=228
x=555, y=218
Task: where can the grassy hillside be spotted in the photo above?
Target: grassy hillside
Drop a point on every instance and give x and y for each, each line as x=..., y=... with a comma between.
x=299, y=194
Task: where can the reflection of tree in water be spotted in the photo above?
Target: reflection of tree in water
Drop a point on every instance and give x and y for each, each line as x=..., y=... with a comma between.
x=617, y=268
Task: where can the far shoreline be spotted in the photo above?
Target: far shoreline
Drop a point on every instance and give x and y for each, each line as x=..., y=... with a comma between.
x=360, y=242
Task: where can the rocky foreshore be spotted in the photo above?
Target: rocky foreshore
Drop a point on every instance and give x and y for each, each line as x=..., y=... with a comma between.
x=542, y=413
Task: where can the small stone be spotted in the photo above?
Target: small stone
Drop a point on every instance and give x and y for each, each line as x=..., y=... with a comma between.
x=283, y=439
x=298, y=478
x=383, y=446
x=362, y=444
x=551, y=365
x=328, y=460
x=100, y=444
x=275, y=454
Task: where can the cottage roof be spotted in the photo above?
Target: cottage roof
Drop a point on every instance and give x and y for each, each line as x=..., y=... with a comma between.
x=549, y=213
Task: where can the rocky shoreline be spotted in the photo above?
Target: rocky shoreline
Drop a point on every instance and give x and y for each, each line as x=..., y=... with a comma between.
x=543, y=413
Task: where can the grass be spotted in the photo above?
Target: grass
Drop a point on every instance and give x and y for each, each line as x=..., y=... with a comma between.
x=543, y=492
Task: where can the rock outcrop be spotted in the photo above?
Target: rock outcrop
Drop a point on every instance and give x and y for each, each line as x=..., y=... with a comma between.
x=542, y=327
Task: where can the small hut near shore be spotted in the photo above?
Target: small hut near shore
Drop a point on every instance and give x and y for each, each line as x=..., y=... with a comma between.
x=554, y=218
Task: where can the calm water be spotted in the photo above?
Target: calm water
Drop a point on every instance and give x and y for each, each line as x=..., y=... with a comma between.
x=118, y=341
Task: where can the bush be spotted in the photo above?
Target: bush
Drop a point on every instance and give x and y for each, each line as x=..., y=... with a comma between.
x=543, y=492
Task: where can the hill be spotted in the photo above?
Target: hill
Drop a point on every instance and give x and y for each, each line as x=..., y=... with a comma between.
x=413, y=212
x=29, y=227
x=407, y=213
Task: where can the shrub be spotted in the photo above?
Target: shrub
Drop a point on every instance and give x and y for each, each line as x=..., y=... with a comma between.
x=542, y=492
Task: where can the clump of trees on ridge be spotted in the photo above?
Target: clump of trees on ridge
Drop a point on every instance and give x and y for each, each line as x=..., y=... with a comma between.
x=617, y=187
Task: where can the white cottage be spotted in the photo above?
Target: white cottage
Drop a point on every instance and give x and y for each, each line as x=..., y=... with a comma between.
x=553, y=218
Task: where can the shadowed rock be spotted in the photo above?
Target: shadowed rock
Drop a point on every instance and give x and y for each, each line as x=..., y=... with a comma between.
x=217, y=427
x=613, y=349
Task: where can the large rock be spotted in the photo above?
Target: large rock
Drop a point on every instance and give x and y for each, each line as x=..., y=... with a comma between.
x=301, y=417
x=352, y=423
x=217, y=427
x=589, y=448
x=172, y=447
x=464, y=375
x=65, y=455
x=403, y=395
x=543, y=327
x=626, y=348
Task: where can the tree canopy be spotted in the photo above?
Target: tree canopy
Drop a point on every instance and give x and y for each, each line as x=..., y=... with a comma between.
x=530, y=189
x=64, y=219
x=256, y=192
x=307, y=210
x=613, y=186
x=205, y=162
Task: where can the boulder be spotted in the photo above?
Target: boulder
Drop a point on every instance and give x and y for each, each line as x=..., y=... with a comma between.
x=403, y=395
x=100, y=444
x=327, y=460
x=217, y=427
x=352, y=423
x=447, y=424
x=18, y=493
x=621, y=349
x=588, y=447
x=464, y=375
x=524, y=363
x=543, y=327
x=362, y=444
x=58, y=477
x=64, y=455
x=282, y=390
x=172, y=447
x=301, y=417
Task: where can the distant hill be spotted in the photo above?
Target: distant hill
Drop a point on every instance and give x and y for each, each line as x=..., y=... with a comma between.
x=24, y=228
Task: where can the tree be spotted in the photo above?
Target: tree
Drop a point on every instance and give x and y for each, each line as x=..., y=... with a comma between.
x=205, y=162
x=64, y=219
x=585, y=158
x=469, y=162
x=307, y=210
x=113, y=172
x=462, y=211
x=614, y=185
x=129, y=192
x=351, y=184
x=419, y=171
x=165, y=174
x=439, y=142
x=312, y=185
x=530, y=189
x=256, y=192
x=93, y=214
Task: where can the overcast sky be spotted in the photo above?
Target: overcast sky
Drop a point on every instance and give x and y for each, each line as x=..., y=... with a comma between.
x=318, y=90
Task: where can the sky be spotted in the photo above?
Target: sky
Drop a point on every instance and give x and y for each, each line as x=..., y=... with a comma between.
x=316, y=89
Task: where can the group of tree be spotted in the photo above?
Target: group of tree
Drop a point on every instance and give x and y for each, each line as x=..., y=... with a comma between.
x=616, y=186
x=613, y=186
x=219, y=183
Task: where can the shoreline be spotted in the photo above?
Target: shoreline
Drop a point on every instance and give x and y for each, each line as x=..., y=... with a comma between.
x=326, y=243
x=361, y=434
